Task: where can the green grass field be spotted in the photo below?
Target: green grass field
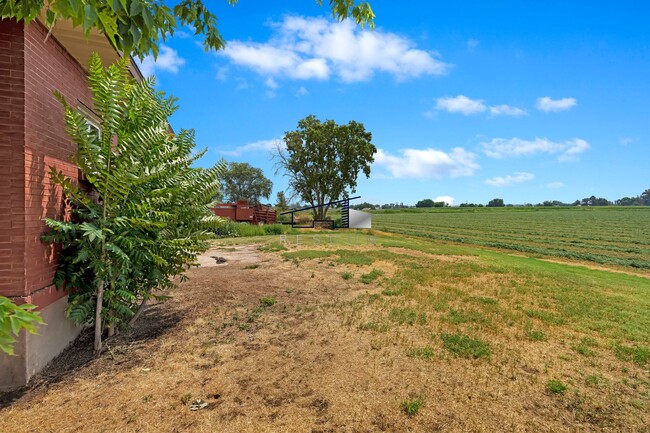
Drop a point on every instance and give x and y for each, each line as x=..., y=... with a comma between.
x=609, y=235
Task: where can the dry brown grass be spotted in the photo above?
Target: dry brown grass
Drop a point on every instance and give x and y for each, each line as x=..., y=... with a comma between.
x=304, y=364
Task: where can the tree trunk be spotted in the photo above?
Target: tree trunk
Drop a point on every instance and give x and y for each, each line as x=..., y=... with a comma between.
x=138, y=313
x=98, y=318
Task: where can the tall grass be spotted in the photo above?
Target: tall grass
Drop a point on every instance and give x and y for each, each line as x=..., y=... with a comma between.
x=232, y=229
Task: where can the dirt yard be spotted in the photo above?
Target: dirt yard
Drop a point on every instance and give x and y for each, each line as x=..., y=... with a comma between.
x=278, y=345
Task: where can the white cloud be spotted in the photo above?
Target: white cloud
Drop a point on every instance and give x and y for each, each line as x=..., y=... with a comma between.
x=624, y=141
x=271, y=83
x=168, y=60
x=512, y=147
x=257, y=146
x=460, y=104
x=511, y=179
x=472, y=44
x=467, y=106
x=507, y=110
x=222, y=74
x=446, y=198
x=302, y=91
x=428, y=163
x=548, y=105
x=555, y=185
x=315, y=48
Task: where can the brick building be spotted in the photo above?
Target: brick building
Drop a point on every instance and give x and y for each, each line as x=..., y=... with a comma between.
x=33, y=138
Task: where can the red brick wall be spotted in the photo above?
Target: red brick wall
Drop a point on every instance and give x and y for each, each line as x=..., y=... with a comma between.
x=12, y=159
x=45, y=143
x=48, y=67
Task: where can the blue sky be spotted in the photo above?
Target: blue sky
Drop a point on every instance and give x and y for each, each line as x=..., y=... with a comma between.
x=467, y=100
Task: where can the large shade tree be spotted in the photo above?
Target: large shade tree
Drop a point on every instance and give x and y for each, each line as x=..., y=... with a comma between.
x=139, y=26
x=323, y=160
x=242, y=181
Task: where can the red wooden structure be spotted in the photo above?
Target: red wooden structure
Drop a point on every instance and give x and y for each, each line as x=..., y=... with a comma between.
x=242, y=211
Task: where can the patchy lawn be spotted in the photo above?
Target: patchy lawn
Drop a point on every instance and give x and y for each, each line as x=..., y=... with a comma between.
x=401, y=335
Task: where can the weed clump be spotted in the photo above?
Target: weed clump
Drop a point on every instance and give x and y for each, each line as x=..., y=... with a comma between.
x=534, y=334
x=267, y=301
x=346, y=275
x=639, y=355
x=425, y=352
x=272, y=247
x=555, y=386
x=412, y=405
x=390, y=292
x=374, y=326
x=371, y=276
x=584, y=347
x=407, y=316
x=465, y=347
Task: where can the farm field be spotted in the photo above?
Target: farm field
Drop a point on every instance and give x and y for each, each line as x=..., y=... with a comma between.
x=354, y=333
x=617, y=236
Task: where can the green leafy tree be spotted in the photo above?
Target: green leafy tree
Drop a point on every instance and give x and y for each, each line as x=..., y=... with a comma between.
x=13, y=318
x=496, y=202
x=364, y=205
x=628, y=201
x=241, y=181
x=139, y=26
x=645, y=197
x=323, y=160
x=427, y=202
x=148, y=215
x=281, y=201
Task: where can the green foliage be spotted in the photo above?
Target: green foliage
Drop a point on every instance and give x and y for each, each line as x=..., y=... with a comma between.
x=638, y=354
x=534, y=334
x=425, y=352
x=407, y=316
x=347, y=275
x=13, y=318
x=272, y=248
x=242, y=181
x=465, y=347
x=374, y=326
x=463, y=316
x=584, y=347
x=496, y=202
x=137, y=26
x=281, y=202
x=427, y=202
x=351, y=257
x=267, y=301
x=323, y=160
x=556, y=386
x=230, y=229
x=412, y=405
x=147, y=215
x=645, y=197
x=371, y=276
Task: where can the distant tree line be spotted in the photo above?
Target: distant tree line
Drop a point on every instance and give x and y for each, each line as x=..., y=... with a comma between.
x=641, y=200
x=370, y=206
x=427, y=202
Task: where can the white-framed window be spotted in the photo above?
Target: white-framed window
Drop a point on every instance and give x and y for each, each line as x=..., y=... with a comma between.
x=91, y=117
